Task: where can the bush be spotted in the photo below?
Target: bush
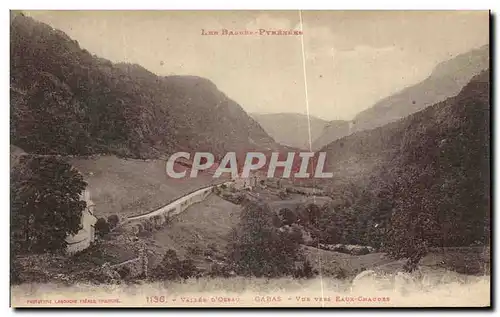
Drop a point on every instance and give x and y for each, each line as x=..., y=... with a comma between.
x=306, y=271
x=341, y=248
x=124, y=272
x=212, y=246
x=208, y=253
x=258, y=248
x=295, y=234
x=157, y=222
x=101, y=227
x=276, y=221
x=148, y=225
x=172, y=268
x=113, y=221
x=216, y=190
x=15, y=276
x=283, y=194
x=168, y=220
x=139, y=227
x=194, y=250
x=218, y=270
x=94, y=255
x=95, y=277
x=341, y=274
x=211, y=250
x=288, y=217
x=235, y=198
x=187, y=269
x=364, y=251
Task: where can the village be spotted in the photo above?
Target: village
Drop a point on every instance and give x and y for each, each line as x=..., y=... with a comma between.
x=133, y=239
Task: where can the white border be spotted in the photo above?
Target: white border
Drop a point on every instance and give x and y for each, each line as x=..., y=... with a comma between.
x=257, y=5
x=190, y=4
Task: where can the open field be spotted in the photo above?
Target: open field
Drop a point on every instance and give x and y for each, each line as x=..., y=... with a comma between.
x=128, y=187
x=203, y=226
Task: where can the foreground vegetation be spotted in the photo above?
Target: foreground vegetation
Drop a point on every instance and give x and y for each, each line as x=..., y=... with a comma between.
x=444, y=289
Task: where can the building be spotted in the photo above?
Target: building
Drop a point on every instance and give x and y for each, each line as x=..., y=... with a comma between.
x=252, y=181
x=86, y=235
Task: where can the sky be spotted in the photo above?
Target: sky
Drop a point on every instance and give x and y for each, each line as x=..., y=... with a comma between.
x=348, y=60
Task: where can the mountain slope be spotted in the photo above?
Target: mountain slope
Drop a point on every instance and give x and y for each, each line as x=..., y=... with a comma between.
x=291, y=129
x=461, y=121
x=428, y=175
x=446, y=80
x=65, y=100
x=333, y=130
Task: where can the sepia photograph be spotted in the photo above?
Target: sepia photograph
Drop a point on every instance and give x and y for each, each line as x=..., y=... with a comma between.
x=244, y=158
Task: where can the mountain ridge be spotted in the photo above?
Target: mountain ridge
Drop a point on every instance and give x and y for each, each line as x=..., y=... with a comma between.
x=65, y=100
x=363, y=153
x=291, y=129
x=446, y=80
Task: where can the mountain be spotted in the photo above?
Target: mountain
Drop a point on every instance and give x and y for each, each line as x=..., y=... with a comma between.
x=446, y=80
x=461, y=122
x=291, y=129
x=65, y=100
x=333, y=130
x=423, y=178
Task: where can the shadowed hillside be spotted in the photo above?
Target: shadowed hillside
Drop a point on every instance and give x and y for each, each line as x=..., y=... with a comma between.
x=65, y=100
x=333, y=130
x=423, y=180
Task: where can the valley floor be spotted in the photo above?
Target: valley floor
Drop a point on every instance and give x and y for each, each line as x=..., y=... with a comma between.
x=130, y=187
x=201, y=233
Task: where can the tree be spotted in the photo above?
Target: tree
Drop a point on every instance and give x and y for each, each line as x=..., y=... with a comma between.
x=45, y=203
x=414, y=226
x=287, y=216
x=306, y=270
x=101, y=227
x=260, y=249
x=276, y=221
x=168, y=267
x=187, y=268
x=313, y=212
x=171, y=267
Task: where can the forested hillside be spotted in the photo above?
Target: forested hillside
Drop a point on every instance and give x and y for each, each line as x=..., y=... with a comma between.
x=421, y=181
x=65, y=100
